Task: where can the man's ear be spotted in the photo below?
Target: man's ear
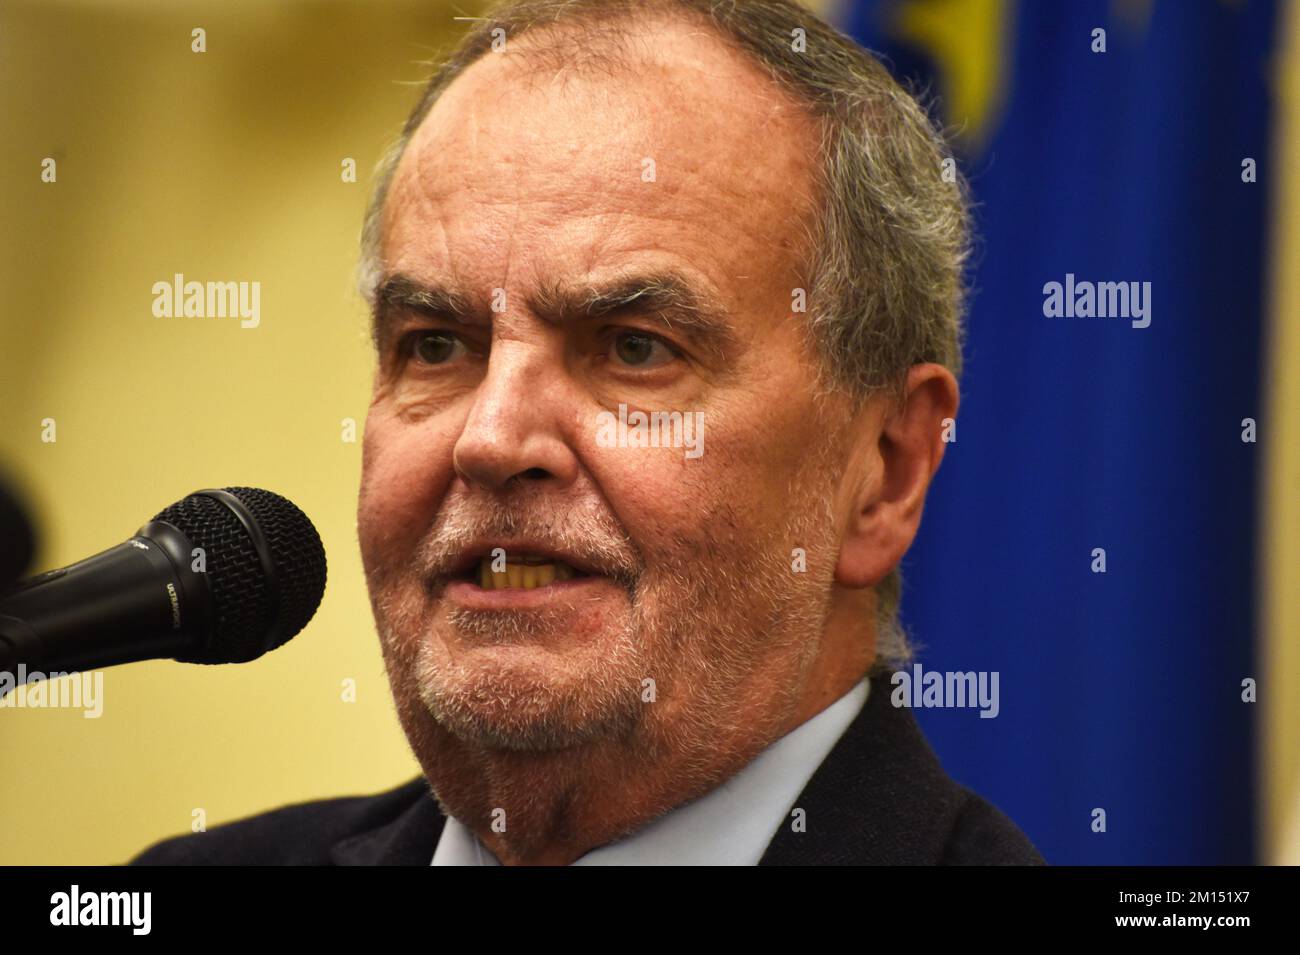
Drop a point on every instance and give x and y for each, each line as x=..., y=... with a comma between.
x=899, y=466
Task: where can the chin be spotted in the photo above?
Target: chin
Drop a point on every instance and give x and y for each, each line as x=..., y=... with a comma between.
x=529, y=696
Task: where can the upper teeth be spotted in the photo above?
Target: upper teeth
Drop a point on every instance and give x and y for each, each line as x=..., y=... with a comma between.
x=519, y=574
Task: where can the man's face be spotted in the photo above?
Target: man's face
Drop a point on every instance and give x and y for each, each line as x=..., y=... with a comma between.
x=527, y=195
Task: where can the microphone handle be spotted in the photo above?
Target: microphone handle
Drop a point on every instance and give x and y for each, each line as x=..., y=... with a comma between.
x=128, y=603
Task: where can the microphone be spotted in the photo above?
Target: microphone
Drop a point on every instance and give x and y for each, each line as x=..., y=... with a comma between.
x=221, y=576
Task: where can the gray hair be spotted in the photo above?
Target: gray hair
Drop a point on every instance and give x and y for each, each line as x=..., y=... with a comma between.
x=892, y=237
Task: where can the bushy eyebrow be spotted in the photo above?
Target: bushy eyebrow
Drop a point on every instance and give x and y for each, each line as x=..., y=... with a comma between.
x=668, y=296
x=400, y=293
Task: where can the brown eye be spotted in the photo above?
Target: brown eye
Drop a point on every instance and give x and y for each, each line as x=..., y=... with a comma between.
x=433, y=348
x=639, y=350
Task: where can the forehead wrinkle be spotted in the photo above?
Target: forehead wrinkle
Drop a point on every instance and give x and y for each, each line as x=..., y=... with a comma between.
x=471, y=123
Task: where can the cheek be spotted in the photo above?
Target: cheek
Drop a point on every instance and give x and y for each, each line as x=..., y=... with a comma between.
x=405, y=471
x=729, y=498
x=647, y=489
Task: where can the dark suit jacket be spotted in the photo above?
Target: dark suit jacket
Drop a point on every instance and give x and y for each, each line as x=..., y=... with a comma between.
x=879, y=798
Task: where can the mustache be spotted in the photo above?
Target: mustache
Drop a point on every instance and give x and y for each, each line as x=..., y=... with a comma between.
x=582, y=529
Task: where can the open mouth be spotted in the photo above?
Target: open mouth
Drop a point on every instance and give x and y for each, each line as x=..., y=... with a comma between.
x=521, y=571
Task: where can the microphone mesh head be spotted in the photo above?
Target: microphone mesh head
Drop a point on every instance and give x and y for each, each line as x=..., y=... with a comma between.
x=248, y=619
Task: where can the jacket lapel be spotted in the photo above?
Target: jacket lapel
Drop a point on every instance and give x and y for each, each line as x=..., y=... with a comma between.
x=407, y=840
x=880, y=798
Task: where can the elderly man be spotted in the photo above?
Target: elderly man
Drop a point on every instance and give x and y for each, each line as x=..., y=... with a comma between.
x=666, y=301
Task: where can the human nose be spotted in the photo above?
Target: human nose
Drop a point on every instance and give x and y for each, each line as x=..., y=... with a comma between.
x=515, y=428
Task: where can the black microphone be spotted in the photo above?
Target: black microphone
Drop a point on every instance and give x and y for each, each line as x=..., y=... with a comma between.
x=222, y=576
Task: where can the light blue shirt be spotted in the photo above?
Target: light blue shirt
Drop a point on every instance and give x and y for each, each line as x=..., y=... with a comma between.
x=730, y=825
